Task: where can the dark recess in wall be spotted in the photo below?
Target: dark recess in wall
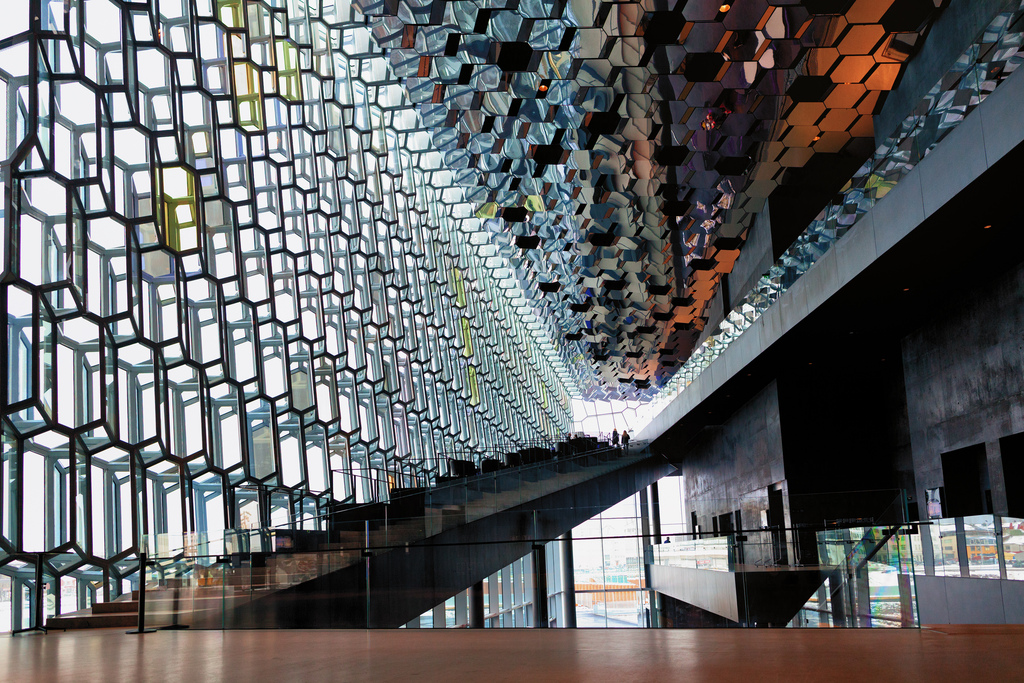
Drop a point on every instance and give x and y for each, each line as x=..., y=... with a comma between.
x=965, y=479
x=844, y=415
x=679, y=614
x=1012, y=449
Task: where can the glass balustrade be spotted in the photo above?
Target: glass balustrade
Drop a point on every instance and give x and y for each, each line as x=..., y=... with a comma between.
x=867, y=572
x=858, y=576
x=207, y=580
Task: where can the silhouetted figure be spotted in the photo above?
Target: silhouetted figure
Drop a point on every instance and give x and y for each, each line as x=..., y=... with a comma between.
x=615, y=437
x=625, y=440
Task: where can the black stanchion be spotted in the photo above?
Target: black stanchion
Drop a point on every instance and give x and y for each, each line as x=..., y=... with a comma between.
x=142, y=597
x=174, y=625
x=37, y=611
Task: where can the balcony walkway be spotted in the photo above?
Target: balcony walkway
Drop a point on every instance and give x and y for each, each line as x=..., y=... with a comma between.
x=947, y=653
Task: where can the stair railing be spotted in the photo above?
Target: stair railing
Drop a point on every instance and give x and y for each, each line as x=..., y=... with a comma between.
x=198, y=587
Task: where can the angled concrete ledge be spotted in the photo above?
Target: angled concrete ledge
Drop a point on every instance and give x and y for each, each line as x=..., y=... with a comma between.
x=988, y=133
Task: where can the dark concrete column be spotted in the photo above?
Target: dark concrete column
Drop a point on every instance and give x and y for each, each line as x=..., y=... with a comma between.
x=568, y=582
x=655, y=614
x=961, y=548
x=997, y=482
x=646, y=522
x=540, y=587
x=476, y=605
x=645, y=518
x=656, y=513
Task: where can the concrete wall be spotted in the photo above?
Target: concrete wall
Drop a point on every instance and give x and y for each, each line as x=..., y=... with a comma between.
x=985, y=136
x=844, y=420
x=754, y=261
x=951, y=33
x=944, y=600
x=964, y=376
x=729, y=467
x=709, y=591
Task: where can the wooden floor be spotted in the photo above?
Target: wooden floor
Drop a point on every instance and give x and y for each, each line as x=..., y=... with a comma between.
x=982, y=654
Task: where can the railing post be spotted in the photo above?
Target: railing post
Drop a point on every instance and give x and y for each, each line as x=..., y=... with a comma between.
x=961, y=548
x=476, y=605
x=175, y=625
x=366, y=568
x=143, y=561
x=540, y=587
x=997, y=528
x=568, y=582
x=38, y=613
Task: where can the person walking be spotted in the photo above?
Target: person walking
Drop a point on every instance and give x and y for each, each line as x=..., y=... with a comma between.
x=615, y=437
x=625, y=440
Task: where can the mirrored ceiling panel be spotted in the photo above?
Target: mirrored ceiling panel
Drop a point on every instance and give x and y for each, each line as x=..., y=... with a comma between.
x=616, y=153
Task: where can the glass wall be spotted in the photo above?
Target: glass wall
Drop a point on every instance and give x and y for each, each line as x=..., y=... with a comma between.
x=507, y=597
x=608, y=553
x=238, y=283
x=609, y=579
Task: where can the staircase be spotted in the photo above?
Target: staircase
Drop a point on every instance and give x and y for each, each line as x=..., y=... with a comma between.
x=381, y=571
x=121, y=613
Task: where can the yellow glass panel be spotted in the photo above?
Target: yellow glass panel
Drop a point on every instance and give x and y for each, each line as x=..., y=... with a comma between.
x=467, y=338
x=180, y=214
x=289, y=81
x=879, y=184
x=488, y=210
x=230, y=12
x=248, y=98
x=460, y=288
x=534, y=203
x=474, y=387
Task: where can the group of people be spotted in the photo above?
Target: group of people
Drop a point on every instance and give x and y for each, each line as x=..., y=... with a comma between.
x=625, y=438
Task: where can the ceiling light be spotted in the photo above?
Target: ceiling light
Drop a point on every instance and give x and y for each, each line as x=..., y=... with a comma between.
x=725, y=8
x=986, y=227
x=543, y=88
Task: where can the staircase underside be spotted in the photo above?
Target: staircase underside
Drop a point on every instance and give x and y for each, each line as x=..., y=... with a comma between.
x=758, y=596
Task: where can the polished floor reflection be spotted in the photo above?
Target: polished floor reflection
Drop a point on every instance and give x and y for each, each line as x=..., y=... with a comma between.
x=954, y=653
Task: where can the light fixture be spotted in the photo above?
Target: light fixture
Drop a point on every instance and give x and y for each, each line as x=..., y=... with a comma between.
x=986, y=227
x=725, y=8
x=543, y=88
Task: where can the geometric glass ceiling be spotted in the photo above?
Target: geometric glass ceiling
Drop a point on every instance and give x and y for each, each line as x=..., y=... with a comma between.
x=618, y=152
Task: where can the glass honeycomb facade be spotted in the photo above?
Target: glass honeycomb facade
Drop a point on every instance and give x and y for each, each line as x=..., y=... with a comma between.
x=238, y=283
x=262, y=255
